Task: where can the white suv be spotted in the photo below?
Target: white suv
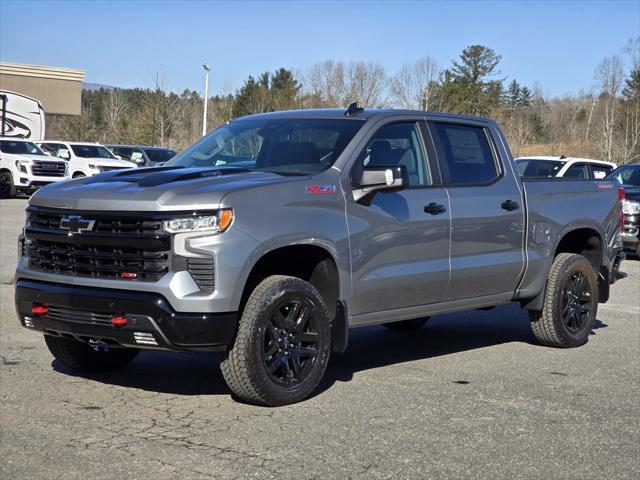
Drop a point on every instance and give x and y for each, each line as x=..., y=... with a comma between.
x=566, y=167
x=85, y=159
x=25, y=168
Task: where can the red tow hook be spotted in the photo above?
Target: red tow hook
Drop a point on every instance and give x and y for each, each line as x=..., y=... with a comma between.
x=119, y=321
x=40, y=309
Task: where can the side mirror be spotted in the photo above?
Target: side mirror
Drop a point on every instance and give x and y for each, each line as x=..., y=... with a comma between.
x=380, y=178
x=64, y=154
x=140, y=161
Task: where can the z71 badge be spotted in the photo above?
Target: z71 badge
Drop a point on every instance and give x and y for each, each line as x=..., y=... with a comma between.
x=321, y=189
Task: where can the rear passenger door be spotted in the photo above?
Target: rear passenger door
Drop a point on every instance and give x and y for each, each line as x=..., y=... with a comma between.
x=487, y=215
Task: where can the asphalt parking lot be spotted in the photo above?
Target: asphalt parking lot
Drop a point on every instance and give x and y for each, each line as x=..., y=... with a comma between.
x=469, y=396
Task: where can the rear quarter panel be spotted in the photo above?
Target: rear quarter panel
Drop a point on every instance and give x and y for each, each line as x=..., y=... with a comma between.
x=558, y=206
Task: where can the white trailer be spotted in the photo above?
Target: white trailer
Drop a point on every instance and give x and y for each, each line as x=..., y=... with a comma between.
x=21, y=116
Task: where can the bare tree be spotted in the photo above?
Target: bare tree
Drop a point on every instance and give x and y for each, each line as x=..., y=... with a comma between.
x=325, y=84
x=366, y=84
x=414, y=84
x=609, y=77
x=114, y=108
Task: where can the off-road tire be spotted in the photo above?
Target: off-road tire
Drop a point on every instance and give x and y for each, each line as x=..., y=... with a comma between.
x=413, y=324
x=243, y=367
x=7, y=187
x=81, y=357
x=548, y=324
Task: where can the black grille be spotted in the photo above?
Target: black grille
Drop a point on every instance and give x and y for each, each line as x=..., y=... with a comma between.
x=97, y=260
x=48, y=169
x=203, y=272
x=129, y=247
x=66, y=315
x=109, y=169
x=105, y=223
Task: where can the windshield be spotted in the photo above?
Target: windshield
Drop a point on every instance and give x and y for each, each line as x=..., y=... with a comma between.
x=532, y=168
x=92, y=151
x=159, y=154
x=284, y=146
x=19, y=148
x=627, y=175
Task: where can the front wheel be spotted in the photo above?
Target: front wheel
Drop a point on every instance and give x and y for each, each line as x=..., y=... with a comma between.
x=7, y=187
x=283, y=343
x=570, y=303
x=81, y=357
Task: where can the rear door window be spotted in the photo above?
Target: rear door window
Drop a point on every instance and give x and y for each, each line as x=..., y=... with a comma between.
x=464, y=154
x=600, y=171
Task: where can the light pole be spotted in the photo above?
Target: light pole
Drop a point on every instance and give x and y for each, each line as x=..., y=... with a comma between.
x=206, y=98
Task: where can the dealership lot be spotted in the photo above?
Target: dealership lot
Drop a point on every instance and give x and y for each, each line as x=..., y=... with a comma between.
x=471, y=395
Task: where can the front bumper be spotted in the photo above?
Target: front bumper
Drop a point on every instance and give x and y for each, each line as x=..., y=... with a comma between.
x=84, y=314
x=35, y=183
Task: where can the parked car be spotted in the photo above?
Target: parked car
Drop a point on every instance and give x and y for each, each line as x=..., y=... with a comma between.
x=85, y=159
x=629, y=178
x=142, y=155
x=337, y=220
x=24, y=167
x=566, y=167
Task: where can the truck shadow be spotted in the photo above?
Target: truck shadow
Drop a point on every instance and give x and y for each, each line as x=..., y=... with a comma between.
x=369, y=348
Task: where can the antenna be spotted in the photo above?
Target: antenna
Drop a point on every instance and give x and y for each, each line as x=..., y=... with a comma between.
x=353, y=109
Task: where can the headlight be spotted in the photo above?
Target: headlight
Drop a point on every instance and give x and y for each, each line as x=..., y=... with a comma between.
x=216, y=223
x=630, y=208
x=93, y=166
x=22, y=165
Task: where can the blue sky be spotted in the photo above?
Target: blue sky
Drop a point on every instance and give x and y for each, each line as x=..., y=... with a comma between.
x=557, y=44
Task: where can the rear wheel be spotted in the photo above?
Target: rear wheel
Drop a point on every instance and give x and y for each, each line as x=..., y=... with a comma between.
x=413, y=324
x=570, y=303
x=81, y=357
x=283, y=343
x=7, y=187
x=79, y=175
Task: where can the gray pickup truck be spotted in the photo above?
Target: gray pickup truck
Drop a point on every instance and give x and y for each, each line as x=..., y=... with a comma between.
x=273, y=235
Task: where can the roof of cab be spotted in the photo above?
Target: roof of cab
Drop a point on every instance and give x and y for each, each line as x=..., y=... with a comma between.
x=365, y=114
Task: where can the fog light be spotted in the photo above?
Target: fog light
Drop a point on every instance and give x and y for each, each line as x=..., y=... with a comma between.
x=28, y=322
x=24, y=180
x=144, y=338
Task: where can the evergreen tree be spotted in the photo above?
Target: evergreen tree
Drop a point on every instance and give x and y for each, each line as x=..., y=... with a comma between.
x=631, y=89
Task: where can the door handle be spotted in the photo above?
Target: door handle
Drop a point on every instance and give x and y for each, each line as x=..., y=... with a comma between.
x=434, y=208
x=510, y=205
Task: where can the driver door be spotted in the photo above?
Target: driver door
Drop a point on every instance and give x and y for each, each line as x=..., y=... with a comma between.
x=399, y=243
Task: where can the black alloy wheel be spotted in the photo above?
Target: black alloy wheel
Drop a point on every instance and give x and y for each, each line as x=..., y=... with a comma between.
x=576, y=303
x=291, y=341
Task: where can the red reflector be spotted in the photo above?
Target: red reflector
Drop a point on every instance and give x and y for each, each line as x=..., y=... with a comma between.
x=40, y=309
x=118, y=321
x=129, y=275
x=620, y=193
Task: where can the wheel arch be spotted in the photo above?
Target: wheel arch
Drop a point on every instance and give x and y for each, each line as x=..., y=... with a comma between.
x=313, y=262
x=586, y=239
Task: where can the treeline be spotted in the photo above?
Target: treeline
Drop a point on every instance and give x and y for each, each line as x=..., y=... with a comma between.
x=601, y=123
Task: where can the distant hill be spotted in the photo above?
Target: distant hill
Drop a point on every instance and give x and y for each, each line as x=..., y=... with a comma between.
x=96, y=86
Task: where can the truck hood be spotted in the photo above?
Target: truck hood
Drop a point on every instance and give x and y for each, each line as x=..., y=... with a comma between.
x=42, y=158
x=153, y=189
x=109, y=162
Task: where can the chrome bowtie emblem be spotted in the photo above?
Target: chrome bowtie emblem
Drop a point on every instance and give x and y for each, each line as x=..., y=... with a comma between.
x=76, y=224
